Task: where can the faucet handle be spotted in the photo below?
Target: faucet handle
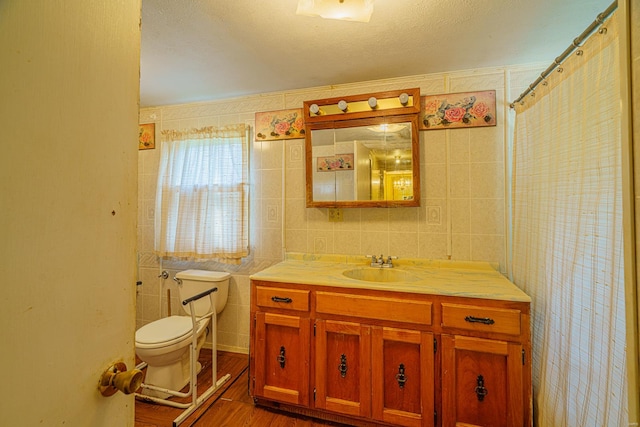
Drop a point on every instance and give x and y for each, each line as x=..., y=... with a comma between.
x=375, y=261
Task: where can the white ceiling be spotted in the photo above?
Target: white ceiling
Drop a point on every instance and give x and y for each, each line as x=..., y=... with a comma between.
x=198, y=50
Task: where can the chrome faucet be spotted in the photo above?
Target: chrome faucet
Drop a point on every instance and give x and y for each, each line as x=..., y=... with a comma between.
x=379, y=262
x=389, y=263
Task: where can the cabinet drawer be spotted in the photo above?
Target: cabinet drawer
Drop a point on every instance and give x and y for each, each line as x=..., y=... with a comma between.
x=394, y=309
x=289, y=299
x=486, y=319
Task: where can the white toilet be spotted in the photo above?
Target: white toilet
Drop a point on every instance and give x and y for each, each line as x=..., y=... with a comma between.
x=164, y=343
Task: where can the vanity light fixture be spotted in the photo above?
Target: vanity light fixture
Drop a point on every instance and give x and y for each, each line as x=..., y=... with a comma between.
x=404, y=98
x=342, y=105
x=314, y=109
x=345, y=10
x=373, y=102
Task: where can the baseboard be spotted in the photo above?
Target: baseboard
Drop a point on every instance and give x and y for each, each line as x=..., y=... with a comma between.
x=229, y=348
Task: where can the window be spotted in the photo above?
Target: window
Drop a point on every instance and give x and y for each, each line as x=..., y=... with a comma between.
x=202, y=196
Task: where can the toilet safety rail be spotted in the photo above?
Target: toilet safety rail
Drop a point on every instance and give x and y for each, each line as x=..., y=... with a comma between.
x=200, y=295
x=196, y=401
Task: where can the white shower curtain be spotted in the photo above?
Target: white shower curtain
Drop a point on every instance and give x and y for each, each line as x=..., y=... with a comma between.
x=567, y=237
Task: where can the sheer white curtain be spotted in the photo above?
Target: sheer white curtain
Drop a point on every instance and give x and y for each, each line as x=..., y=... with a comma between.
x=567, y=237
x=202, y=195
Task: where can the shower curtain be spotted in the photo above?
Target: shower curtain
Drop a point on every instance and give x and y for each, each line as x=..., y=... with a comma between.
x=567, y=236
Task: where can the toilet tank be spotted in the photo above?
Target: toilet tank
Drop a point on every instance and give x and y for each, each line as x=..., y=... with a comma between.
x=198, y=281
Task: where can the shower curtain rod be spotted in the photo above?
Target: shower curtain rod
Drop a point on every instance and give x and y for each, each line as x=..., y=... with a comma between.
x=576, y=43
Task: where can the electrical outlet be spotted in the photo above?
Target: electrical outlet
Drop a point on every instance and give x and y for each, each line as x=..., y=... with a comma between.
x=335, y=215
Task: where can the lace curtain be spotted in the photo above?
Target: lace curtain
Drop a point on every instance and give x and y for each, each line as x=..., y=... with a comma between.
x=202, y=195
x=567, y=237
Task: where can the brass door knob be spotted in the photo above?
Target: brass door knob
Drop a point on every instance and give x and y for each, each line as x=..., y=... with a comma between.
x=116, y=377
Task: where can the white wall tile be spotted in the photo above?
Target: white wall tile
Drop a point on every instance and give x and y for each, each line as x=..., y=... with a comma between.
x=403, y=244
x=434, y=147
x=432, y=246
x=347, y=242
x=486, y=180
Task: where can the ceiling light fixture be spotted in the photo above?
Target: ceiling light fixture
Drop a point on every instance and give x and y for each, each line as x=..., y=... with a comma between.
x=345, y=10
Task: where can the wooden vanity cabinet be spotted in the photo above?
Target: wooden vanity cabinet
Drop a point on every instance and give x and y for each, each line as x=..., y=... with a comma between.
x=342, y=367
x=394, y=358
x=280, y=340
x=485, y=365
x=402, y=370
x=366, y=357
x=481, y=382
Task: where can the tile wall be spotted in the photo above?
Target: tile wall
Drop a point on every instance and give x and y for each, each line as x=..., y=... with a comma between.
x=464, y=192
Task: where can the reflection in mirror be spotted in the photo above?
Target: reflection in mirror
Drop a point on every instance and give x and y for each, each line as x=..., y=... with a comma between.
x=367, y=162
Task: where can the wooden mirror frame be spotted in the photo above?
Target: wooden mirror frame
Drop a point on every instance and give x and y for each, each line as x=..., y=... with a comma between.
x=389, y=110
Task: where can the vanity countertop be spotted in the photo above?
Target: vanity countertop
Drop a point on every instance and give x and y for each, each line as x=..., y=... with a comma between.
x=439, y=277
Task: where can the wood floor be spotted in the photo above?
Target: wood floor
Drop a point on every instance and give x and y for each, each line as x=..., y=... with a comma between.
x=231, y=406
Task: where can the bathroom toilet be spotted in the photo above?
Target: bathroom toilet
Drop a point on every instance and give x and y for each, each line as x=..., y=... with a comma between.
x=164, y=343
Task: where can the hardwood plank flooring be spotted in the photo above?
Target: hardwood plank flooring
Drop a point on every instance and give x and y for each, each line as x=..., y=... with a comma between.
x=155, y=415
x=235, y=408
x=229, y=407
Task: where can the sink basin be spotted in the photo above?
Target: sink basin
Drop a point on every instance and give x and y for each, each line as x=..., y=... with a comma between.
x=380, y=275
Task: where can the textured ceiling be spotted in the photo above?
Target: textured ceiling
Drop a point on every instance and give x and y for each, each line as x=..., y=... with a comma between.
x=198, y=50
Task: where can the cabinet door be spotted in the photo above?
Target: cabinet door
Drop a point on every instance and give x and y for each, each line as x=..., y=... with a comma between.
x=282, y=358
x=402, y=370
x=481, y=382
x=342, y=367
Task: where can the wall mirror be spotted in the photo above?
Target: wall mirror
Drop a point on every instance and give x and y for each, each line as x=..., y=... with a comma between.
x=363, y=162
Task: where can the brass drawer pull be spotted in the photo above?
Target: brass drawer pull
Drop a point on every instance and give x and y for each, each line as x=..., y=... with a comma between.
x=280, y=299
x=484, y=320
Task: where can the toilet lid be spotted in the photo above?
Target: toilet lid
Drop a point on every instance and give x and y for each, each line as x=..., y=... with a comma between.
x=165, y=329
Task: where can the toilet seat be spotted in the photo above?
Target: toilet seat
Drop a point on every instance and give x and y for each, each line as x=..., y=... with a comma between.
x=166, y=331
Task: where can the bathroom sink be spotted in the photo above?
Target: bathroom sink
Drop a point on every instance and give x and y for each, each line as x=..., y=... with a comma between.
x=380, y=275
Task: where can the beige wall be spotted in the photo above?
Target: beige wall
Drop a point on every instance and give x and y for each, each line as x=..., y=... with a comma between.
x=463, y=179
